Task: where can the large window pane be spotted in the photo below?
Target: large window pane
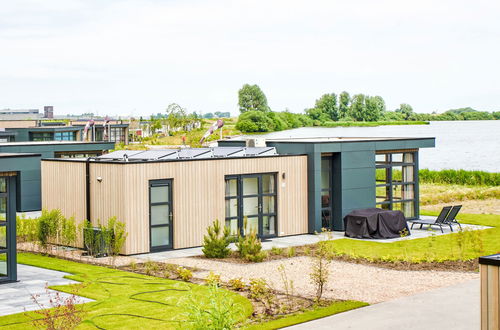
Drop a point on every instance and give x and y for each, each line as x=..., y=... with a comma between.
x=268, y=183
x=3, y=208
x=397, y=158
x=326, y=218
x=3, y=184
x=397, y=173
x=383, y=193
x=3, y=237
x=268, y=204
x=233, y=226
x=159, y=194
x=159, y=214
x=325, y=199
x=160, y=236
x=408, y=157
x=231, y=187
x=250, y=186
x=381, y=158
x=252, y=225
x=231, y=207
x=408, y=174
x=381, y=175
x=268, y=225
x=250, y=206
x=3, y=264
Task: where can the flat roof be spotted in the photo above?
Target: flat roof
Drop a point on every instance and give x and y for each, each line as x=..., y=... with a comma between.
x=186, y=153
x=337, y=139
x=39, y=143
x=20, y=154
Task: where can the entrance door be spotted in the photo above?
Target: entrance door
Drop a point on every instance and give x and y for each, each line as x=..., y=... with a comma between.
x=8, y=268
x=254, y=199
x=3, y=228
x=160, y=215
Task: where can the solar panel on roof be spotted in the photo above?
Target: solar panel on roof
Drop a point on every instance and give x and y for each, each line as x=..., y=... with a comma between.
x=153, y=154
x=260, y=151
x=119, y=154
x=195, y=153
x=229, y=152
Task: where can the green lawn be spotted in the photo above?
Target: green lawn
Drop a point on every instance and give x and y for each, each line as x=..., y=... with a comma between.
x=466, y=245
x=123, y=299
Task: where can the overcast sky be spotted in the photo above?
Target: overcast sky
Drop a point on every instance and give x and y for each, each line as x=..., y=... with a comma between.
x=137, y=56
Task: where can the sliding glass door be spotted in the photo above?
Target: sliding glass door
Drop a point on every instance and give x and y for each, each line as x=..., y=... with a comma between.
x=160, y=215
x=251, y=197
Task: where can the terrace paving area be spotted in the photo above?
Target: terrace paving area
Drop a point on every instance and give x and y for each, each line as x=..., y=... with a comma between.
x=16, y=297
x=300, y=240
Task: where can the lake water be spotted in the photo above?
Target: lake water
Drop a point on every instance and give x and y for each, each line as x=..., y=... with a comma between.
x=468, y=145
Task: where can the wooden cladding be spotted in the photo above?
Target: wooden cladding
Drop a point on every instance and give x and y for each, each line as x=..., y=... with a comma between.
x=121, y=190
x=490, y=297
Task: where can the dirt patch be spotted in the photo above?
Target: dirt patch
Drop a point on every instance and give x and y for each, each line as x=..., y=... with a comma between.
x=486, y=206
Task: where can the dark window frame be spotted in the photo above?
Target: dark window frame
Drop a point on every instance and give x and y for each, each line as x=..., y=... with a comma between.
x=162, y=183
x=389, y=184
x=260, y=215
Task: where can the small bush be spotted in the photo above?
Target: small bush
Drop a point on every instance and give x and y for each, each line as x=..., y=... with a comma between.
x=258, y=288
x=213, y=279
x=184, y=274
x=236, y=284
x=291, y=252
x=250, y=248
x=276, y=251
x=216, y=242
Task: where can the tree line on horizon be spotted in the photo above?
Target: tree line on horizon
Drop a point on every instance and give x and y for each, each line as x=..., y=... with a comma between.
x=257, y=116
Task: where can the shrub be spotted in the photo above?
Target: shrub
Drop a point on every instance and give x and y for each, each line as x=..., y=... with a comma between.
x=254, y=121
x=104, y=239
x=319, y=270
x=184, y=274
x=216, y=242
x=276, y=251
x=213, y=279
x=236, y=284
x=48, y=226
x=291, y=252
x=218, y=313
x=250, y=248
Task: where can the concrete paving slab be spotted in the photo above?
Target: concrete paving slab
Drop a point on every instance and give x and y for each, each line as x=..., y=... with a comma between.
x=17, y=297
x=455, y=307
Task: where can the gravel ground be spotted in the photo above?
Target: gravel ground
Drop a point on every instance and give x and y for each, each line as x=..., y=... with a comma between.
x=347, y=280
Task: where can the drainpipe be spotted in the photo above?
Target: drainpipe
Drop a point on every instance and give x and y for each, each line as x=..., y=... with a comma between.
x=87, y=185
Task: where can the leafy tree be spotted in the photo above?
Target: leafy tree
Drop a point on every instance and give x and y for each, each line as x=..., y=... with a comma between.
x=219, y=114
x=254, y=121
x=317, y=115
x=496, y=115
x=208, y=115
x=251, y=98
x=358, y=107
x=328, y=104
x=375, y=107
x=344, y=100
x=406, y=110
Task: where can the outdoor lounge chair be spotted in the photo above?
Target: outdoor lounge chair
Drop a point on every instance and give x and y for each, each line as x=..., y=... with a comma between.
x=451, y=218
x=439, y=221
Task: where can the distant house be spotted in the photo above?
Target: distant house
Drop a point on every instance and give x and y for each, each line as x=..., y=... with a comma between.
x=167, y=198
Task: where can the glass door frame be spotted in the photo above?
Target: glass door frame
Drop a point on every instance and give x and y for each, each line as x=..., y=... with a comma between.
x=260, y=214
x=162, y=183
x=10, y=229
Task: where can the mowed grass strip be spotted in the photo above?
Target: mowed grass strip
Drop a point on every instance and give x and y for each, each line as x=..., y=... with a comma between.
x=316, y=313
x=466, y=245
x=123, y=299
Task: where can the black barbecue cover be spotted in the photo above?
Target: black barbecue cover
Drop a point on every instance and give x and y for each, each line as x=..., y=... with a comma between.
x=375, y=223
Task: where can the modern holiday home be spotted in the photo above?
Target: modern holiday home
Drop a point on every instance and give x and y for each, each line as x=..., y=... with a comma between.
x=167, y=198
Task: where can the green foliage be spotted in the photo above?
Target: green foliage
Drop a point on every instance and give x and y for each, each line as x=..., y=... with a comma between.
x=405, y=110
x=213, y=279
x=105, y=239
x=26, y=229
x=327, y=104
x=184, y=274
x=254, y=121
x=122, y=298
x=250, y=247
x=258, y=288
x=358, y=107
x=443, y=248
x=276, y=251
x=251, y=98
x=461, y=177
x=374, y=107
x=236, y=284
x=291, y=252
x=48, y=226
x=219, y=313
x=344, y=104
x=216, y=242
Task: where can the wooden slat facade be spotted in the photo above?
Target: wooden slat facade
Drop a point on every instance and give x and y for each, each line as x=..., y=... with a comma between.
x=198, y=194
x=490, y=297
